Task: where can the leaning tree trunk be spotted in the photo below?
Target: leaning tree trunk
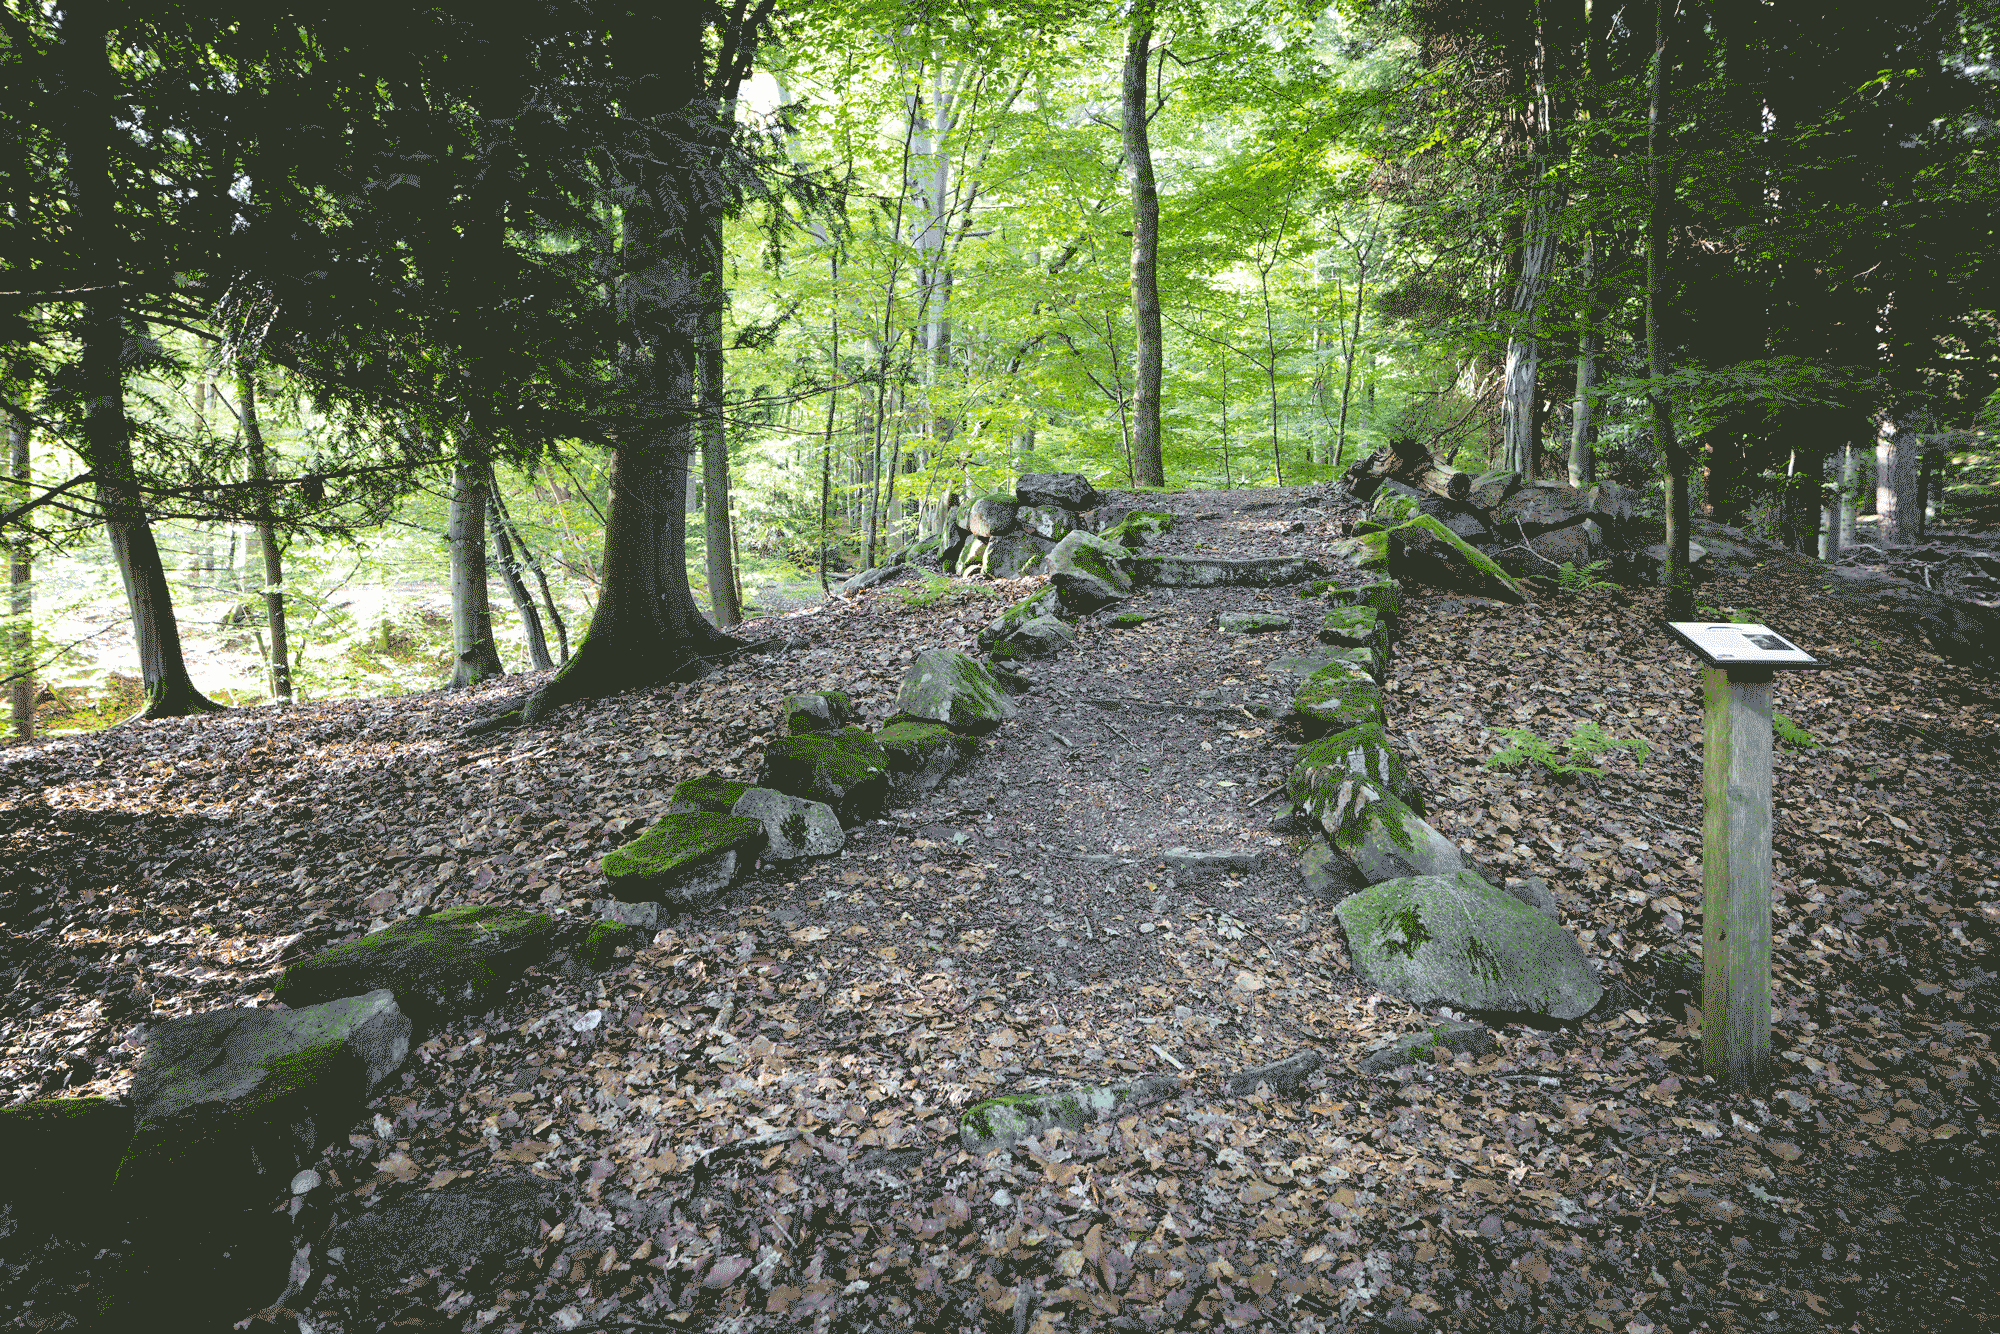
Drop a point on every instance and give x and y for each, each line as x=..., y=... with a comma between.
x=21, y=588
x=267, y=537
x=475, y=657
x=107, y=444
x=1148, y=468
x=517, y=587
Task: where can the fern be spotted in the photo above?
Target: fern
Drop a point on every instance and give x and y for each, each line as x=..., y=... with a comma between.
x=1586, y=743
x=1792, y=734
x=1572, y=578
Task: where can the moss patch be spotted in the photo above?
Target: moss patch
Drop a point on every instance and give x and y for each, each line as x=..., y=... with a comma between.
x=1130, y=620
x=823, y=711
x=1470, y=563
x=1336, y=697
x=1139, y=527
x=710, y=792
x=677, y=842
x=600, y=947
x=849, y=772
x=464, y=954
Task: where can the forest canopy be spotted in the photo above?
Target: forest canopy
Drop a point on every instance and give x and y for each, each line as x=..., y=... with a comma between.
x=320, y=334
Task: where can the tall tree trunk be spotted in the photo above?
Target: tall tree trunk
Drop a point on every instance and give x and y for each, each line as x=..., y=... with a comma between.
x=647, y=629
x=1147, y=465
x=20, y=659
x=267, y=536
x=1583, y=424
x=475, y=657
x=1896, y=505
x=517, y=587
x=1850, y=496
x=102, y=332
x=503, y=522
x=1677, y=575
x=826, y=442
x=718, y=550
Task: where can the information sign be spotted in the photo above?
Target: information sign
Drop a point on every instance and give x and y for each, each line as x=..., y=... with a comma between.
x=1737, y=644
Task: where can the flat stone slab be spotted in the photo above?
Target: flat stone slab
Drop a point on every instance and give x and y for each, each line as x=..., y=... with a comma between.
x=1456, y=940
x=456, y=962
x=686, y=859
x=793, y=826
x=1188, y=859
x=1000, y=1123
x=1223, y=572
x=1251, y=623
x=1286, y=1078
x=460, y=1225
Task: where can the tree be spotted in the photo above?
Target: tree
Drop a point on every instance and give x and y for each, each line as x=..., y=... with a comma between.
x=475, y=657
x=1675, y=461
x=266, y=532
x=19, y=662
x=1148, y=350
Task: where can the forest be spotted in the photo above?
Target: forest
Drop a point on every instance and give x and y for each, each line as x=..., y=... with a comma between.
x=848, y=664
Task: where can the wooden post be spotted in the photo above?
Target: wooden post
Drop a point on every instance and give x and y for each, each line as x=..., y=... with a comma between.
x=1736, y=875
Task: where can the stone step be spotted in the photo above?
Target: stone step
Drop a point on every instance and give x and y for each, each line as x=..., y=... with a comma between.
x=1223, y=571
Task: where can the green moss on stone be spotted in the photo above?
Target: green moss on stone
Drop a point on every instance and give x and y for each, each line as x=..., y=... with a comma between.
x=1497, y=580
x=1007, y=651
x=1128, y=620
x=908, y=743
x=1361, y=753
x=438, y=935
x=677, y=841
x=600, y=947
x=710, y=792
x=1336, y=697
x=1139, y=527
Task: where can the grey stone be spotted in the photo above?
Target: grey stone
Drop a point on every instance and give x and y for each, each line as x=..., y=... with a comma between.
x=1067, y=490
x=463, y=1224
x=1088, y=573
x=1328, y=874
x=1534, y=891
x=1286, y=1078
x=971, y=556
x=993, y=516
x=825, y=711
x=1223, y=572
x=1135, y=528
x=1188, y=859
x=1251, y=622
x=1329, y=775
x=1027, y=609
x=1012, y=557
x=1000, y=1123
x=1455, y=940
x=1492, y=488
x=1386, y=840
x=848, y=772
x=1047, y=521
x=1457, y=1039
x=1351, y=627
x=688, y=859
x=793, y=826
x=457, y=962
x=953, y=689
x=645, y=914
x=1043, y=636
x=1336, y=697
x=922, y=755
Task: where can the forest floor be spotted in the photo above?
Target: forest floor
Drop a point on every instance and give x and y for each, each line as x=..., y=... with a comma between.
x=756, y=1114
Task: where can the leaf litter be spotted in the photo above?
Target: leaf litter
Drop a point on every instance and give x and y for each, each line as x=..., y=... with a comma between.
x=755, y=1114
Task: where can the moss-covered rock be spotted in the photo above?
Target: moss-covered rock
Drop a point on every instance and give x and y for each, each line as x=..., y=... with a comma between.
x=921, y=756
x=953, y=689
x=1330, y=774
x=601, y=945
x=709, y=792
x=1223, y=572
x=690, y=858
x=1350, y=627
x=1439, y=556
x=1336, y=697
x=1385, y=840
x=1393, y=507
x=1088, y=573
x=1129, y=620
x=848, y=772
x=1000, y=1123
x=1453, y=1038
x=1373, y=659
x=993, y=516
x=1455, y=940
x=1251, y=622
x=1138, y=527
x=1013, y=557
x=58, y=1157
x=972, y=556
x=794, y=827
x=460, y=961
x=823, y=711
x=1044, y=637
x=1011, y=681
x=1002, y=626
x=1007, y=651
x=1369, y=551
x=1382, y=596
x=1050, y=522
x=1327, y=874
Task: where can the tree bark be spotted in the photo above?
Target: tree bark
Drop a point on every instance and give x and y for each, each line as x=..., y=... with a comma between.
x=21, y=590
x=1896, y=504
x=1677, y=575
x=102, y=332
x=647, y=629
x=717, y=549
x=503, y=522
x=1147, y=465
x=517, y=587
x=475, y=657
x=1583, y=428
x=1520, y=436
x=267, y=536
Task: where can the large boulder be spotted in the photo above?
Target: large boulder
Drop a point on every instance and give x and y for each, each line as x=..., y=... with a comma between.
x=1540, y=528
x=847, y=772
x=463, y=1224
x=1336, y=697
x=1012, y=557
x=1359, y=755
x=993, y=516
x=1136, y=528
x=953, y=689
x=687, y=859
x=1436, y=555
x=1088, y=573
x=1050, y=522
x=453, y=963
x=1489, y=489
x=1065, y=490
x=1455, y=940
x=921, y=756
x=1384, y=839
x=793, y=826
x=1223, y=572
x=1963, y=631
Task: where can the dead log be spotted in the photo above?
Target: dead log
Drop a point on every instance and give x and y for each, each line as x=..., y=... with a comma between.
x=1409, y=463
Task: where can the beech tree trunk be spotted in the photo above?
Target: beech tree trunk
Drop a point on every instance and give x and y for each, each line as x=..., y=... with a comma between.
x=21, y=590
x=475, y=657
x=1897, y=507
x=717, y=548
x=267, y=537
x=1148, y=469
x=102, y=332
x=1583, y=429
x=517, y=587
x=1677, y=575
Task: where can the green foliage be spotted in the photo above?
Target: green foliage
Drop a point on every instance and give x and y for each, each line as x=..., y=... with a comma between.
x=1792, y=734
x=1585, y=744
x=1572, y=578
